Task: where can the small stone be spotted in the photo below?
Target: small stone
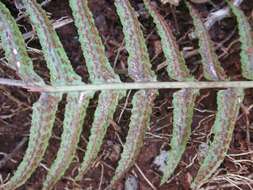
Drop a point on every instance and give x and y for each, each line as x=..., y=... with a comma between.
x=173, y=2
x=160, y=160
x=131, y=183
x=115, y=153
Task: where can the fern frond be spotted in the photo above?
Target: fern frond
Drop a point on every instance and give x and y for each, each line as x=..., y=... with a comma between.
x=211, y=65
x=139, y=69
x=183, y=100
x=103, y=78
x=228, y=102
x=61, y=72
x=246, y=40
x=44, y=109
x=100, y=71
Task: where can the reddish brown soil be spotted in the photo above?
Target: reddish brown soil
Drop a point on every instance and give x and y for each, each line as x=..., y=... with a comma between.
x=15, y=109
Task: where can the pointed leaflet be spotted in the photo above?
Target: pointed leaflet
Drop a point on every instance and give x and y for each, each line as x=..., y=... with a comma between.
x=211, y=65
x=139, y=69
x=43, y=117
x=98, y=65
x=183, y=100
x=61, y=72
x=44, y=109
x=142, y=109
x=183, y=105
x=177, y=68
x=228, y=107
x=75, y=112
x=246, y=42
x=107, y=103
x=15, y=48
x=100, y=71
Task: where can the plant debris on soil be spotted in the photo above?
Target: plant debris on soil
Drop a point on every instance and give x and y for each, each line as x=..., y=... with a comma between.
x=16, y=104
